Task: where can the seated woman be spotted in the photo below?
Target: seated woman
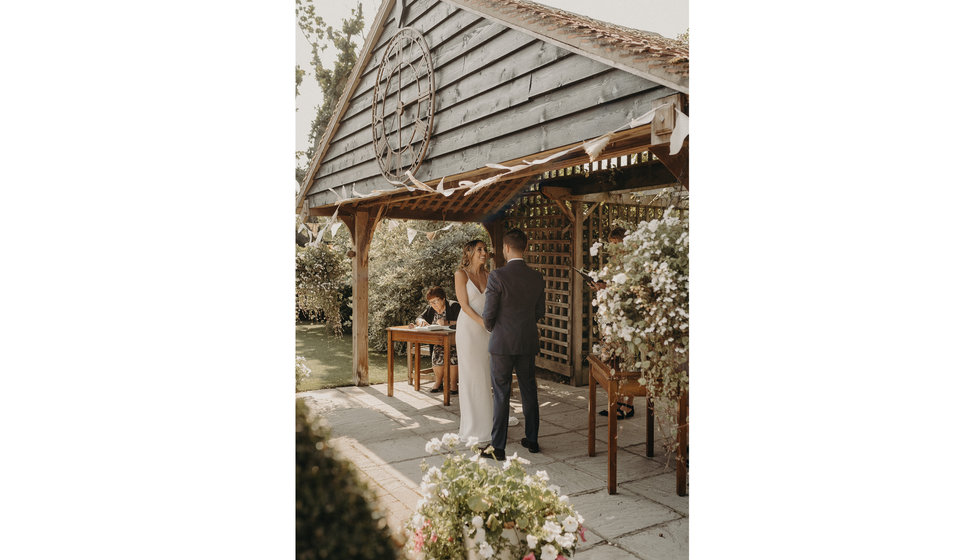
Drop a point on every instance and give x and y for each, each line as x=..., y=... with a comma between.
x=441, y=312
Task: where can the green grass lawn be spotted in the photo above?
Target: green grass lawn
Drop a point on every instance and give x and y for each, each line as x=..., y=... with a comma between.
x=330, y=358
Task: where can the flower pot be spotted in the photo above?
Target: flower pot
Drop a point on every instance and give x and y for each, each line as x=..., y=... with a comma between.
x=473, y=548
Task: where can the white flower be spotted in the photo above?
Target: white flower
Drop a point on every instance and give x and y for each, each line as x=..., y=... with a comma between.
x=555, y=488
x=619, y=278
x=450, y=439
x=417, y=521
x=433, y=472
x=532, y=541
x=565, y=540
x=549, y=552
x=477, y=521
x=472, y=440
x=475, y=458
x=486, y=550
x=481, y=535
x=570, y=524
x=563, y=499
x=433, y=446
x=542, y=476
x=594, y=249
x=551, y=530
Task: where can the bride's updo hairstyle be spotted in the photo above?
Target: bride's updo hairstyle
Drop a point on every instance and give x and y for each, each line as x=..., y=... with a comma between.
x=468, y=250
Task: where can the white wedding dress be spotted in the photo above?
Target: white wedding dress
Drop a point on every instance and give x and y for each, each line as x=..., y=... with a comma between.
x=473, y=351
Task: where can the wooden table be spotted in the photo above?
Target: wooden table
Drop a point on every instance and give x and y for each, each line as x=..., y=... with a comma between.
x=626, y=383
x=414, y=335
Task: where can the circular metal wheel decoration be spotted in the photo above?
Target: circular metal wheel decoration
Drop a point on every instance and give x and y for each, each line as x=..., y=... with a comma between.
x=401, y=114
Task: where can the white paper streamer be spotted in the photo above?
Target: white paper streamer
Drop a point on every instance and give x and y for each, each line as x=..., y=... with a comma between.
x=473, y=187
x=334, y=228
x=680, y=132
x=595, y=147
x=319, y=236
x=549, y=158
x=411, y=235
x=419, y=184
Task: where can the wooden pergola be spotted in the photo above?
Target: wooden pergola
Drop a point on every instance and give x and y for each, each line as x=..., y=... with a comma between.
x=445, y=87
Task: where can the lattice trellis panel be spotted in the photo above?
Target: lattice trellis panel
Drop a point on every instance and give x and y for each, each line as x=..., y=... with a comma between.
x=548, y=252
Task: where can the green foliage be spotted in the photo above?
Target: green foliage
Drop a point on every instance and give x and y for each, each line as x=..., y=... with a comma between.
x=335, y=516
x=331, y=82
x=468, y=495
x=400, y=273
x=323, y=277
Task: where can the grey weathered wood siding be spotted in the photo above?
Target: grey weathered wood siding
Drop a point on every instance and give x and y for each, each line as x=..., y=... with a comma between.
x=500, y=94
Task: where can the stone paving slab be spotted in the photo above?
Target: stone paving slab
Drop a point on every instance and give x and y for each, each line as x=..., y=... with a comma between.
x=665, y=542
x=661, y=488
x=385, y=439
x=606, y=552
x=622, y=513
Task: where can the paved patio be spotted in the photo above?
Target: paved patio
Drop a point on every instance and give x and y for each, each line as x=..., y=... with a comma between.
x=385, y=438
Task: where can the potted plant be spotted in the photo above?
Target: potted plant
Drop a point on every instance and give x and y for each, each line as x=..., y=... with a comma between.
x=474, y=508
x=642, y=312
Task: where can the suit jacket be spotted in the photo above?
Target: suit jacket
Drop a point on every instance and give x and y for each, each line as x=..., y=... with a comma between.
x=514, y=303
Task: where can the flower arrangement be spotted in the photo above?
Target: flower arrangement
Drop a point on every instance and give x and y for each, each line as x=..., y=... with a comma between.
x=643, y=311
x=500, y=509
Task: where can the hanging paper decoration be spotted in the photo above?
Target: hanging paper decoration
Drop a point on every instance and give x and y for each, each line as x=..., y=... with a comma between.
x=319, y=237
x=334, y=228
x=595, y=147
x=411, y=235
x=680, y=132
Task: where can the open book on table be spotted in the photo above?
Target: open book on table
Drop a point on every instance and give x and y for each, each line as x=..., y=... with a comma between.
x=435, y=328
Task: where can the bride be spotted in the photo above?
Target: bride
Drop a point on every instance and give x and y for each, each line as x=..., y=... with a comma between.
x=472, y=345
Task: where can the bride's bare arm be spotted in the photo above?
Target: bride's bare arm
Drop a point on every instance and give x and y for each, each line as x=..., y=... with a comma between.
x=463, y=297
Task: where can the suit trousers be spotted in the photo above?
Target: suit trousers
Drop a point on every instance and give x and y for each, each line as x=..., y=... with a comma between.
x=501, y=367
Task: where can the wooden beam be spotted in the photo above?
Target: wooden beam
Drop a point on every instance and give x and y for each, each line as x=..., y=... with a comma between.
x=496, y=231
x=362, y=228
x=579, y=376
x=677, y=163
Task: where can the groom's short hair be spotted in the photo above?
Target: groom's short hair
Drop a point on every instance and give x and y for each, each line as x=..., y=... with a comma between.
x=516, y=240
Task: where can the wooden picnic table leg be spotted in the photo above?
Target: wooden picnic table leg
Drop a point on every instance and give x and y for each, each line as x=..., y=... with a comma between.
x=682, y=445
x=418, y=365
x=592, y=413
x=408, y=366
x=391, y=367
x=613, y=394
x=650, y=425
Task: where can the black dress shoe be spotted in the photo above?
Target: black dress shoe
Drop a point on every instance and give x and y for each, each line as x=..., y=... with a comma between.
x=530, y=445
x=435, y=390
x=454, y=391
x=497, y=454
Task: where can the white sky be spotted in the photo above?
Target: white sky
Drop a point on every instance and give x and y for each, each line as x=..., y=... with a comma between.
x=666, y=17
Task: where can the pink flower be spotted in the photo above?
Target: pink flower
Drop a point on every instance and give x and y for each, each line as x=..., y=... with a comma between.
x=433, y=538
x=560, y=557
x=581, y=532
x=419, y=540
x=528, y=556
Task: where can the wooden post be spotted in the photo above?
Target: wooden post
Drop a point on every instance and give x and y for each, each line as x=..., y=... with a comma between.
x=575, y=301
x=496, y=231
x=363, y=228
x=682, y=445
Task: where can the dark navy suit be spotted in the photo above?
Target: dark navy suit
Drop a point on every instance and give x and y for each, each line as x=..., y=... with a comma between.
x=514, y=303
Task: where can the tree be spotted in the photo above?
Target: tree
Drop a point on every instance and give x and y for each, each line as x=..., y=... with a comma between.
x=331, y=82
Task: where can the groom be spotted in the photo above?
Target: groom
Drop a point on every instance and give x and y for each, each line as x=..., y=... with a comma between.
x=514, y=303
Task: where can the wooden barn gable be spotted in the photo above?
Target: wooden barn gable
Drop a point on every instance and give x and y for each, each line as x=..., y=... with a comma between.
x=513, y=81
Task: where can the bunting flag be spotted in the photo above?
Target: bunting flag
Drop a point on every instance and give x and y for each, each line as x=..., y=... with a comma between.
x=411, y=235
x=334, y=228
x=679, y=133
x=595, y=147
x=319, y=237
